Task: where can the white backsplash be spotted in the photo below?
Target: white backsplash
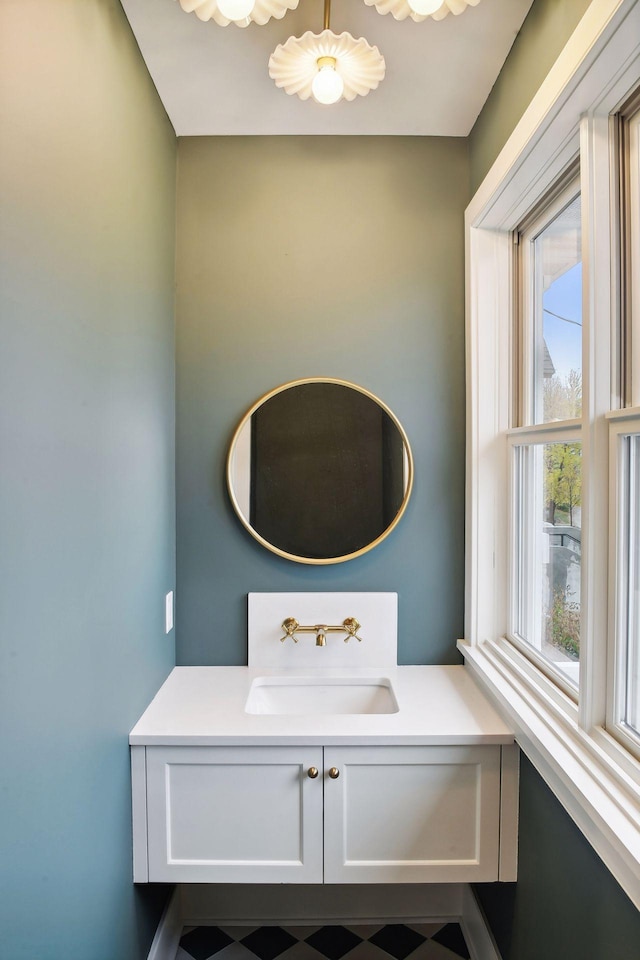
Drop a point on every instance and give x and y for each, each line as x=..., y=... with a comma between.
x=376, y=612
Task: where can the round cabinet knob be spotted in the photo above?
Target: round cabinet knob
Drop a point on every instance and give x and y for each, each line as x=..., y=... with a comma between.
x=312, y=773
x=334, y=773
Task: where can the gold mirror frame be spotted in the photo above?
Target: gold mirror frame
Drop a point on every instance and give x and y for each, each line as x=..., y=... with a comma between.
x=324, y=560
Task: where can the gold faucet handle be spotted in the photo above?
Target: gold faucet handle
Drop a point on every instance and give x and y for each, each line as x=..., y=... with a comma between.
x=290, y=625
x=352, y=626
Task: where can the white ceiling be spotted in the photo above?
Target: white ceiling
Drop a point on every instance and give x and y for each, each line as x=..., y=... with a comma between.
x=214, y=80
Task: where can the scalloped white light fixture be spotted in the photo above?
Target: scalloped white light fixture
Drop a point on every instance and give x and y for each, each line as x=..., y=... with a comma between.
x=419, y=10
x=240, y=12
x=326, y=66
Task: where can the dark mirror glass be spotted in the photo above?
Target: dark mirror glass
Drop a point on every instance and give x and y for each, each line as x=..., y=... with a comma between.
x=319, y=471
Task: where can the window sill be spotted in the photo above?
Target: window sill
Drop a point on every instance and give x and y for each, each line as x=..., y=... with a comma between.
x=626, y=413
x=598, y=785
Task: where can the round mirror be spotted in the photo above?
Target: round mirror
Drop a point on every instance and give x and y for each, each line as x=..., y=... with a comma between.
x=319, y=470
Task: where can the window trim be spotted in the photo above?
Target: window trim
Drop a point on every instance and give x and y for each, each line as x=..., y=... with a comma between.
x=595, y=778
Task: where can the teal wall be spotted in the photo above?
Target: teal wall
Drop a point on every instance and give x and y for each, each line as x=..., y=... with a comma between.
x=566, y=905
x=87, y=167
x=296, y=256
x=544, y=33
x=320, y=256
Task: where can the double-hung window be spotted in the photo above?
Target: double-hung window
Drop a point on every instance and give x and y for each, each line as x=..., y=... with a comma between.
x=546, y=445
x=552, y=626
x=623, y=714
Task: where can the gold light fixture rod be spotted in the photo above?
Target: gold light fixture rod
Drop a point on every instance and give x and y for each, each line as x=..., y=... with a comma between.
x=327, y=14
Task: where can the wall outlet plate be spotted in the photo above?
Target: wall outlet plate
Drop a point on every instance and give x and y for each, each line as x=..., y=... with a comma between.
x=168, y=612
x=377, y=612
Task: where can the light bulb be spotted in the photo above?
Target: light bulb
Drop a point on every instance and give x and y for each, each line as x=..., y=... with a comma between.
x=328, y=85
x=236, y=9
x=425, y=7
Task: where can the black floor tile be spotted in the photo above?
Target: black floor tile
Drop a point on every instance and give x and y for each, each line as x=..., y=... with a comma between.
x=333, y=942
x=268, y=942
x=451, y=936
x=398, y=940
x=204, y=942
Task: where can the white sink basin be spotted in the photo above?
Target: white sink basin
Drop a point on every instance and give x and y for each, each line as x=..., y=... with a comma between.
x=302, y=696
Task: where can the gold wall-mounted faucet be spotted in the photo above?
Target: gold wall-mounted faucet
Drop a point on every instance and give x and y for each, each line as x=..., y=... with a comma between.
x=350, y=626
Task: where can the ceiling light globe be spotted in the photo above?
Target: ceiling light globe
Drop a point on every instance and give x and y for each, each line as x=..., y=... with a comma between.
x=236, y=9
x=425, y=7
x=328, y=85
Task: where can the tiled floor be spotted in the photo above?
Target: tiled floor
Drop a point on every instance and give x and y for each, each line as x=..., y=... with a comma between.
x=426, y=941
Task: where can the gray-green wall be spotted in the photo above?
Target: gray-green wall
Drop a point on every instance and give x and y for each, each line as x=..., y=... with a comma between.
x=297, y=257
x=566, y=905
x=548, y=26
x=87, y=165
x=320, y=256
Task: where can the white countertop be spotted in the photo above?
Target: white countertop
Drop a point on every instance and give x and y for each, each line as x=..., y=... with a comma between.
x=201, y=706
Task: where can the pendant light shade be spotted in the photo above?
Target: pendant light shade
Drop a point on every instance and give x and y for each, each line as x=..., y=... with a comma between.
x=299, y=64
x=419, y=10
x=240, y=12
x=326, y=66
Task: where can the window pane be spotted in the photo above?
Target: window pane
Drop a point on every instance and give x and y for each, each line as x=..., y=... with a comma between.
x=548, y=545
x=558, y=317
x=630, y=619
x=631, y=261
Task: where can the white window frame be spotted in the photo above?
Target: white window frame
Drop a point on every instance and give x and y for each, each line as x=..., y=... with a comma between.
x=591, y=772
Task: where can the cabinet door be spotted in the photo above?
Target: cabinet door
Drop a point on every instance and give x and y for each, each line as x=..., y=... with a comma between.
x=234, y=814
x=412, y=814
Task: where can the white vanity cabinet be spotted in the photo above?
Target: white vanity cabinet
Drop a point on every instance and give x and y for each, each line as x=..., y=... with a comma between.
x=404, y=814
x=393, y=814
x=234, y=815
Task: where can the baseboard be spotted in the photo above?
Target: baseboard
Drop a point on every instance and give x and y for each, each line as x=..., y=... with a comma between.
x=476, y=931
x=165, y=943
